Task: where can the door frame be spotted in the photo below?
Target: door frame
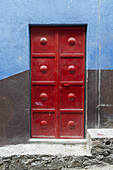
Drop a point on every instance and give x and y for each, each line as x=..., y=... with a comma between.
x=85, y=71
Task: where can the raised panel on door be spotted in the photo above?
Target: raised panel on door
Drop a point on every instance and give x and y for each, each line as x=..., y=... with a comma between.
x=43, y=40
x=71, y=97
x=43, y=96
x=43, y=125
x=71, y=125
x=71, y=40
x=43, y=69
x=71, y=69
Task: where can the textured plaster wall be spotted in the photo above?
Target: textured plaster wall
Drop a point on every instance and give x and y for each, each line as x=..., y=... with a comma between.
x=16, y=15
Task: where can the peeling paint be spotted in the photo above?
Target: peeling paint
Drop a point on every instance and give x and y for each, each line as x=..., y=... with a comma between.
x=99, y=48
x=39, y=103
x=99, y=9
x=104, y=105
x=99, y=96
x=20, y=58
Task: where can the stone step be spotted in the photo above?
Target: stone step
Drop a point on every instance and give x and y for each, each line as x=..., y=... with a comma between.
x=43, y=156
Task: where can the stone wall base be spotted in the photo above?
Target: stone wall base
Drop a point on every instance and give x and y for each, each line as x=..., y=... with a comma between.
x=46, y=162
x=97, y=153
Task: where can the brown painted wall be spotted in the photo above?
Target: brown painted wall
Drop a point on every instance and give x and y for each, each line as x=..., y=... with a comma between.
x=106, y=108
x=92, y=100
x=100, y=109
x=15, y=109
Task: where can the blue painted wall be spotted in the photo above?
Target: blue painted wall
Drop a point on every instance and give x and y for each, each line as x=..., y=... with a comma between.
x=16, y=15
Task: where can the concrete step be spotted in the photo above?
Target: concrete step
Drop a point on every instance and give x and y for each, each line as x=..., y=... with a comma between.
x=58, y=141
x=44, y=149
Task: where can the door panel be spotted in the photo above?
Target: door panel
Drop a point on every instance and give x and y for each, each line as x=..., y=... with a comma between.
x=43, y=69
x=71, y=69
x=71, y=125
x=71, y=97
x=72, y=40
x=43, y=40
x=43, y=124
x=57, y=82
x=43, y=97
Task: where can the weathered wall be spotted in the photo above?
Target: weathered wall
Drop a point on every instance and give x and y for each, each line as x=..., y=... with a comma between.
x=100, y=99
x=14, y=109
x=15, y=18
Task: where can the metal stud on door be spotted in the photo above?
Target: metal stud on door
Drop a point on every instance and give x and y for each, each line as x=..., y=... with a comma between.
x=57, y=82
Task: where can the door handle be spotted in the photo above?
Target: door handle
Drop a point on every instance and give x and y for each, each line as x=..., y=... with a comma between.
x=60, y=87
x=65, y=85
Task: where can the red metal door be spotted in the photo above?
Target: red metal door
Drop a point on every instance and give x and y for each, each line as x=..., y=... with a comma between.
x=57, y=82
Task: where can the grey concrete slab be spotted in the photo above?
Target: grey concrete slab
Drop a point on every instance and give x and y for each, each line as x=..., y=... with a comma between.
x=100, y=133
x=44, y=149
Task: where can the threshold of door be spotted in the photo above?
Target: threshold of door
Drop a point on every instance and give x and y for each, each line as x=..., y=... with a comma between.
x=57, y=141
